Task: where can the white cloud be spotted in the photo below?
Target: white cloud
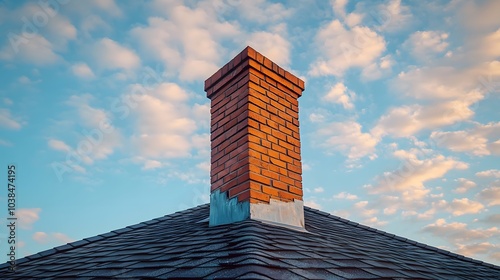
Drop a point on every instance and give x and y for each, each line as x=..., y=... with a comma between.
x=262, y=11
x=109, y=54
x=393, y=16
x=152, y=164
x=425, y=44
x=188, y=42
x=59, y=145
x=166, y=123
x=374, y=222
x=40, y=237
x=61, y=237
x=339, y=94
x=478, y=248
x=273, y=45
x=459, y=207
x=490, y=195
x=489, y=173
x=362, y=209
x=93, y=23
x=205, y=166
x=7, y=120
x=100, y=138
x=30, y=48
x=348, y=139
x=464, y=185
x=346, y=195
x=318, y=190
x=459, y=232
x=409, y=179
x=55, y=237
x=27, y=216
x=342, y=49
x=311, y=203
x=408, y=120
x=82, y=70
x=378, y=69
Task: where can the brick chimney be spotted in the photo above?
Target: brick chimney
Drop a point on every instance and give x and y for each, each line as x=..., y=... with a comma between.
x=256, y=170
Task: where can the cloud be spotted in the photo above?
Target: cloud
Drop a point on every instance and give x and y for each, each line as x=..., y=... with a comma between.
x=489, y=173
x=478, y=248
x=378, y=69
x=407, y=120
x=30, y=48
x=40, y=237
x=82, y=70
x=339, y=94
x=318, y=190
x=188, y=41
x=262, y=11
x=100, y=138
x=362, y=209
x=493, y=219
x=313, y=204
x=464, y=185
x=109, y=54
x=374, y=222
x=273, y=45
x=59, y=145
x=392, y=16
x=55, y=238
x=412, y=175
x=27, y=216
x=346, y=195
x=425, y=44
x=165, y=124
x=490, y=195
x=477, y=141
x=7, y=121
x=342, y=49
x=347, y=138
x=461, y=236
x=459, y=207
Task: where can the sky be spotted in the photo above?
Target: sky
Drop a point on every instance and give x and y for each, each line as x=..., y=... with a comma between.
x=103, y=113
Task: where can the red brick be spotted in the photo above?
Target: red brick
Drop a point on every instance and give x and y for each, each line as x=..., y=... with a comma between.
x=286, y=180
x=259, y=196
x=294, y=168
x=270, y=191
x=295, y=176
x=280, y=185
x=270, y=174
x=259, y=178
x=295, y=190
x=278, y=162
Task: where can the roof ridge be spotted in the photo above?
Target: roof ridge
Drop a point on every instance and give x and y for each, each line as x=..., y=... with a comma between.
x=89, y=240
x=403, y=239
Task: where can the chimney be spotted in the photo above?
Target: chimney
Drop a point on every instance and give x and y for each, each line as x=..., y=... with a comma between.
x=256, y=170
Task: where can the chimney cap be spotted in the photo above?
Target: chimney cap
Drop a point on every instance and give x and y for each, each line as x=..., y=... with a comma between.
x=249, y=53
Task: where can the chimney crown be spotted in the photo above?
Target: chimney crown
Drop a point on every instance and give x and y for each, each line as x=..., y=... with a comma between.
x=256, y=169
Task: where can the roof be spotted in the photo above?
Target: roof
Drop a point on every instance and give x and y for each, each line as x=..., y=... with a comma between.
x=182, y=245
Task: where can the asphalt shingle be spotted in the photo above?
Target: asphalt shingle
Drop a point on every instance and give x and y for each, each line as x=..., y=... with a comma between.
x=182, y=245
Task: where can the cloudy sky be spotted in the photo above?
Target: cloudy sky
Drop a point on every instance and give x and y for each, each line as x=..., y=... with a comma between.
x=102, y=110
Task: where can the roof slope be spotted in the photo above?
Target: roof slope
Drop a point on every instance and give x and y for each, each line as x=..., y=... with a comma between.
x=181, y=245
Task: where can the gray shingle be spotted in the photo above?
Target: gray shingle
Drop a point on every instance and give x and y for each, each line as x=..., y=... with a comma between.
x=180, y=246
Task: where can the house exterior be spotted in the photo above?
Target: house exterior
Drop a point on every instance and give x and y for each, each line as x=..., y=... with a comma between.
x=255, y=226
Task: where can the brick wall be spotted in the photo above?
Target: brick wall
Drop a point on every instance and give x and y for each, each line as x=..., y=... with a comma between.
x=255, y=138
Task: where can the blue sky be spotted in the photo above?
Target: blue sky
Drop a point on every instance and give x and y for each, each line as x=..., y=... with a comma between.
x=102, y=110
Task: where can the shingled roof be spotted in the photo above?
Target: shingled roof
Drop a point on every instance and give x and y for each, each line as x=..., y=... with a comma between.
x=255, y=226
x=182, y=245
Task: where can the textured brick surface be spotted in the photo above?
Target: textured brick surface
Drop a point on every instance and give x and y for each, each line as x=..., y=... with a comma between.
x=255, y=129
